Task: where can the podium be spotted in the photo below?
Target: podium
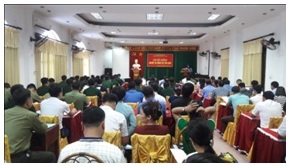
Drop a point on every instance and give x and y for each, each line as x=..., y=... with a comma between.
x=136, y=73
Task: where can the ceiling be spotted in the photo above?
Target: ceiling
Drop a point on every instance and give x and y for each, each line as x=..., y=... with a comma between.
x=178, y=26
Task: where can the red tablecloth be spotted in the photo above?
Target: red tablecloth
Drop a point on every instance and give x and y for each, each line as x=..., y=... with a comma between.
x=245, y=132
x=223, y=111
x=268, y=147
x=74, y=126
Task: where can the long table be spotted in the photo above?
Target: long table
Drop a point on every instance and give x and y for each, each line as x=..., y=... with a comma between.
x=268, y=148
x=49, y=141
x=245, y=132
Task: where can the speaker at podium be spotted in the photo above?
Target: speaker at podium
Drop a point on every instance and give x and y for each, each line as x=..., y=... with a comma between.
x=108, y=71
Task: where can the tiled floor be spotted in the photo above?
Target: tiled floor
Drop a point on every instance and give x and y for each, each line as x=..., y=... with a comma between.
x=221, y=146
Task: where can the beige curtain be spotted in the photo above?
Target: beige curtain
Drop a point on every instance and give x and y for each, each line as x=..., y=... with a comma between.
x=225, y=54
x=81, y=63
x=37, y=54
x=52, y=57
x=11, y=56
x=252, y=69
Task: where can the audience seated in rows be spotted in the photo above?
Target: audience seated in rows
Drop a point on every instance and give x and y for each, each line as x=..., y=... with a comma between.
x=149, y=114
x=125, y=109
x=93, y=122
x=236, y=98
x=80, y=101
x=280, y=95
x=220, y=90
x=266, y=109
x=133, y=96
x=54, y=106
x=150, y=96
x=201, y=137
x=114, y=120
x=91, y=90
x=194, y=109
x=256, y=95
x=208, y=89
x=19, y=126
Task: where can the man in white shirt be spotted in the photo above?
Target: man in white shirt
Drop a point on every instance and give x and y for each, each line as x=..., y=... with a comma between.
x=54, y=106
x=257, y=95
x=114, y=120
x=266, y=109
x=157, y=96
x=92, y=142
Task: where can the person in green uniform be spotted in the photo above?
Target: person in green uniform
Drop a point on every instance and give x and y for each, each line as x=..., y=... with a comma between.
x=20, y=123
x=8, y=100
x=32, y=88
x=80, y=100
x=107, y=83
x=167, y=91
x=63, y=83
x=92, y=91
x=194, y=109
x=43, y=89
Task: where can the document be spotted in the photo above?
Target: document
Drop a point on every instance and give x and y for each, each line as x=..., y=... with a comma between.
x=178, y=154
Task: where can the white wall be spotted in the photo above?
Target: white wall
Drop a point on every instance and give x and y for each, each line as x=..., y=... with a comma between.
x=275, y=62
x=121, y=62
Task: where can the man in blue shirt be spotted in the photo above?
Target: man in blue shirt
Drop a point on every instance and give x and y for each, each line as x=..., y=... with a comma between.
x=208, y=89
x=132, y=95
x=149, y=96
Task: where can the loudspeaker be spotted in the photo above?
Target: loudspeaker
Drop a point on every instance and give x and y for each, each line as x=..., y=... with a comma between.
x=108, y=71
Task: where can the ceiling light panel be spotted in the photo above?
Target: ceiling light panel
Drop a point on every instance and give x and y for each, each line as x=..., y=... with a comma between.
x=97, y=16
x=155, y=16
x=213, y=16
x=153, y=33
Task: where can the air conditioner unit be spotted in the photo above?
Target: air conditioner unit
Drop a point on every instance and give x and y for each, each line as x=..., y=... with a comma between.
x=109, y=45
x=77, y=38
x=42, y=24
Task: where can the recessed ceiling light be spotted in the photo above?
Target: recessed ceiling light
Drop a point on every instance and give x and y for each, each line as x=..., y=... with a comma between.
x=272, y=9
x=153, y=33
x=193, y=33
x=160, y=42
x=213, y=16
x=113, y=32
x=101, y=7
x=122, y=41
x=48, y=11
x=155, y=16
x=213, y=8
x=142, y=42
x=181, y=42
x=157, y=8
x=97, y=16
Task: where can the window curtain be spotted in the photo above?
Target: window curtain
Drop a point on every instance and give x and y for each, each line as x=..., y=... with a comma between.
x=252, y=69
x=81, y=63
x=11, y=56
x=225, y=54
x=52, y=57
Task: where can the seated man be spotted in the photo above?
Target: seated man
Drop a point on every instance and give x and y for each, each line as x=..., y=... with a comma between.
x=267, y=109
x=80, y=100
x=132, y=95
x=94, y=126
x=256, y=94
x=19, y=126
x=125, y=109
x=92, y=91
x=114, y=120
x=54, y=106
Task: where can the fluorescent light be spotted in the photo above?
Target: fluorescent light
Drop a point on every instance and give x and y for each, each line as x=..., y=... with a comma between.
x=142, y=42
x=113, y=32
x=97, y=16
x=193, y=33
x=122, y=41
x=213, y=16
x=153, y=33
x=155, y=16
x=181, y=42
x=160, y=42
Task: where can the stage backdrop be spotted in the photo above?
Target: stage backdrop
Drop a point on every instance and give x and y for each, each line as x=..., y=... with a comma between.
x=152, y=64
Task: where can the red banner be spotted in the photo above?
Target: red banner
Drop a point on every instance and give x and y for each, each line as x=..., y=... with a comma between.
x=159, y=60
